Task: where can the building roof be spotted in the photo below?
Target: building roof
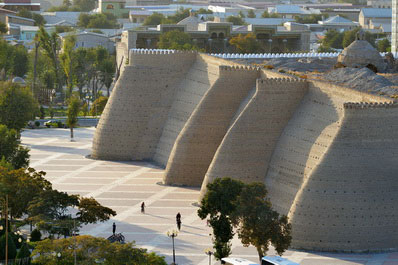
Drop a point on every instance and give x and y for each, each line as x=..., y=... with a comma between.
x=267, y=21
x=28, y=28
x=140, y=12
x=56, y=17
x=22, y=18
x=191, y=22
x=377, y=12
x=336, y=20
x=288, y=9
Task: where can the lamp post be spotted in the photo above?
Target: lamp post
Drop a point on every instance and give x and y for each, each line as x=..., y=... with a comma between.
x=209, y=253
x=173, y=234
x=58, y=257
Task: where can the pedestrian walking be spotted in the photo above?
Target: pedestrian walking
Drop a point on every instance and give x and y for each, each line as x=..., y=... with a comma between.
x=114, y=228
x=143, y=207
x=178, y=220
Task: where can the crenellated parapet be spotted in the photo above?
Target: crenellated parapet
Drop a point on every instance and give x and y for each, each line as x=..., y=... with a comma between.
x=162, y=58
x=370, y=105
x=238, y=68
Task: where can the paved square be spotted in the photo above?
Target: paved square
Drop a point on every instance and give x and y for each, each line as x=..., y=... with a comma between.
x=123, y=186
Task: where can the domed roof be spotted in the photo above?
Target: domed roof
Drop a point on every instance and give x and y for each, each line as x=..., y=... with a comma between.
x=361, y=54
x=18, y=80
x=191, y=22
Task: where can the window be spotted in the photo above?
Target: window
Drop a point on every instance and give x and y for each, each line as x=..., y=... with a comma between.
x=134, y=20
x=109, y=6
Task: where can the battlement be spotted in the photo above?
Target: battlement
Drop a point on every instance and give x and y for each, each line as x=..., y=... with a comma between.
x=369, y=105
x=273, y=81
x=238, y=68
x=159, y=52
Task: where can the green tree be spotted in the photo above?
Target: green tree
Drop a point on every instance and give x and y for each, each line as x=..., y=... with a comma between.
x=235, y=20
x=100, y=21
x=384, y=45
x=91, y=249
x=11, y=150
x=90, y=211
x=20, y=61
x=85, y=5
x=72, y=113
x=251, y=14
x=3, y=28
x=154, y=19
x=246, y=44
x=66, y=59
x=177, y=17
x=333, y=39
x=176, y=40
x=17, y=106
x=39, y=19
x=98, y=106
x=23, y=252
x=351, y=35
x=218, y=204
x=241, y=14
x=13, y=60
x=258, y=224
x=50, y=45
x=12, y=250
x=204, y=11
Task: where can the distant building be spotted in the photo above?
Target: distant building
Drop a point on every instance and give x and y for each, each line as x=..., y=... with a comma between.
x=394, y=28
x=376, y=15
x=291, y=11
x=214, y=37
x=90, y=40
x=115, y=7
x=379, y=3
x=139, y=16
x=17, y=5
x=61, y=18
x=337, y=23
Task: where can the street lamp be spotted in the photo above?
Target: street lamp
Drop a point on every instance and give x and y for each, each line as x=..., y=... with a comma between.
x=173, y=234
x=209, y=253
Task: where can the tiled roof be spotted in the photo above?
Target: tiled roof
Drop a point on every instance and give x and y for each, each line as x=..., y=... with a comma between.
x=377, y=12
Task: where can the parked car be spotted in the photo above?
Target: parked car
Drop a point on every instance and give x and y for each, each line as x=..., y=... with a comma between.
x=55, y=124
x=276, y=260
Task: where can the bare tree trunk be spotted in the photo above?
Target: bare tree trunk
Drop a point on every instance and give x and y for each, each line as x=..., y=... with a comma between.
x=71, y=133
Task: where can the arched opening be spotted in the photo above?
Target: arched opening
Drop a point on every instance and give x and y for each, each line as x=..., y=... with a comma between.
x=109, y=6
x=262, y=36
x=221, y=35
x=213, y=35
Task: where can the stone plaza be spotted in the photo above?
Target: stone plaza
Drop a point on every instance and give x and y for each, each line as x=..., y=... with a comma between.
x=123, y=186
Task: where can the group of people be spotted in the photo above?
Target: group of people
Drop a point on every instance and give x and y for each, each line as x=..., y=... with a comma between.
x=178, y=219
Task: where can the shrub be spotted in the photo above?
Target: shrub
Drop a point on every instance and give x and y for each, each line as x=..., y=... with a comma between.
x=23, y=252
x=37, y=123
x=42, y=112
x=303, y=76
x=339, y=65
x=60, y=124
x=267, y=66
x=282, y=71
x=12, y=250
x=35, y=235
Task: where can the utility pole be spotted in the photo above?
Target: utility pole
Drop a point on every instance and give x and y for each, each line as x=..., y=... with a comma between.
x=6, y=229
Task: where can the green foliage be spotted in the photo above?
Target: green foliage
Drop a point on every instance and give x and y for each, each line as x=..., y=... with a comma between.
x=39, y=20
x=66, y=60
x=311, y=19
x=176, y=40
x=13, y=59
x=72, y=113
x=17, y=106
x=268, y=15
x=339, y=40
x=3, y=28
x=62, y=29
x=91, y=249
x=219, y=203
x=204, y=11
x=384, y=45
x=98, y=106
x=35, y=235
x=230, y=203
x=154, y=19
x=12, y=250
x=177, y=17
x=258, y=224
x=98, y=21
x=78, y=6
x=235, y=20
x=23, y=252
x=42, y=112
x=11, y=150
x=90, y=211
x=251, y=14
x=246, y=44
x=241, y=15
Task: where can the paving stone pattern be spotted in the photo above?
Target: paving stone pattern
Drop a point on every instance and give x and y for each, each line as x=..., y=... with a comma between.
x=124, y=185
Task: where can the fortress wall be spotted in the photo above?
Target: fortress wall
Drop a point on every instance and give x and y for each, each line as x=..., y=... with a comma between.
x=350, y=201
x=201, y=76
x=134, y=116
x=247, y=147
x=302, y=150
x=195, y=146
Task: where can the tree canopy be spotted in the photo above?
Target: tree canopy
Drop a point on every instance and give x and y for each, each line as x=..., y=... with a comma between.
x=11, y=150
x=17, y=105
x=39, y=20
x=176, y=40
x=230, y=203
x=91, y=250
x=97, y=21
x=236, y=20
x=339, y=40
x=246, y=43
